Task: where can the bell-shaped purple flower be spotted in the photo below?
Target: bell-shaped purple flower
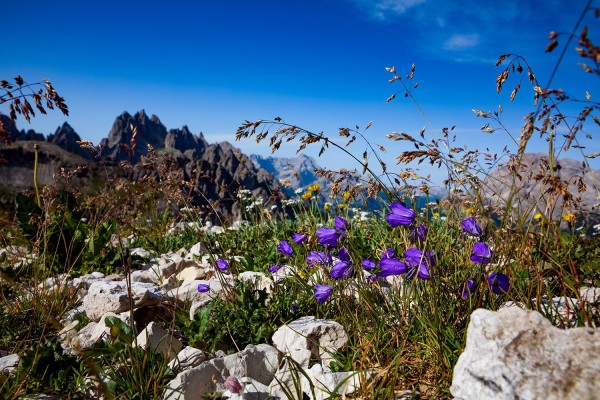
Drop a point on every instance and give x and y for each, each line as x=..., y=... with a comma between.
x=298, y=238
x=368, y=264
x=341, y=269
x=400, y=215
x=328, y=237
x=285, y=248
x=391, y=266
x=420, y=261
x=498, y=282
x=322, y=292
x=481, y=253
x=319, y=258
x=274, y=268
x=341, y=224
x=468, y=288
x=470, y=227
x=388, y=253
x=203, y=287
x=343, y=254
x=419, y=233
x=223, y=265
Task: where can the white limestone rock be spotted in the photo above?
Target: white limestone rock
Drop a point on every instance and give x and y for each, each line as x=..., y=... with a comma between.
x=157, y=339
x=256, y=362
x=197, y=250
x=104, y=297
x=187, y=358
x=515, y=353
x=191, y=273
x=94, y=332
x=144, y=276
x=9, y=363
x=310, y=338
x=139, y=252
x=259, y=279
x=283, y=273
x=194, y=383
x=188, y=291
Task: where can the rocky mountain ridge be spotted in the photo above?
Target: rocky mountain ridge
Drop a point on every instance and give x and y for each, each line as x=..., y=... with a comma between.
x=217, y=170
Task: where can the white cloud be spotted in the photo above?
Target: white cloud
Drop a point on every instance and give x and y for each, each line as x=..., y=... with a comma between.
x=460, y=42
x=384, y=9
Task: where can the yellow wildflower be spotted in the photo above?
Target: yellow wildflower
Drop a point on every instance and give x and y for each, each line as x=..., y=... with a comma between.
x=347, y=196
x=570, y=217
x=326, y=206
x=538, y=216
x=314, y=188
x=307, y=195
x=470, y=210
x=341, y=205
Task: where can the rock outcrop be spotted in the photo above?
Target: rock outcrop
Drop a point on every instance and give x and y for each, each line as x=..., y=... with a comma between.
x=217, y=171
x=519, y=354
x=150, y=131
x=66, y=138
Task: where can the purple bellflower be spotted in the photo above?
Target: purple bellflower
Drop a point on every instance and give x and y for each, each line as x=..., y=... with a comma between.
x=203, y=287
x=400, y=215
x=328, y=237
x=341, y=224
x=391, y=266
x=368, y=264
x=420, y=261
x=223, y=265
x=481, y=253
x=342, y=268
x=468, y=288
x=388, y=253
x=470, y=227
x=285, y=248
x=319, y=258
x=274, y=268
x=298, y=238
x=419, y=233
x=498, y=282
x=322, y=292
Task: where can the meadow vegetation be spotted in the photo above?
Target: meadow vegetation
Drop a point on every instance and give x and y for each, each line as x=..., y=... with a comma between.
x=402, y=281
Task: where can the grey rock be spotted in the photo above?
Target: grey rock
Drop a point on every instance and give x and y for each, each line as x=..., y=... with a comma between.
x=259, y=280
x=309, y=338
x=515, y=353
x=94, y=332
x=256, y=362
x=9, y=363
x=157, y=339
x=104, y=297
x=66, y=138
x=194, y=383
x=187, y=358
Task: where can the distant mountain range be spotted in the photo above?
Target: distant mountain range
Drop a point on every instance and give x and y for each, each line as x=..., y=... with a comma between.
x=217, y=170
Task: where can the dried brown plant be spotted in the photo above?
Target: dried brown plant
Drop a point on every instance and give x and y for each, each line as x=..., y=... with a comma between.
x=17, y=94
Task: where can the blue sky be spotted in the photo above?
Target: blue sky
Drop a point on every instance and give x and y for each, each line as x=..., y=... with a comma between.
x=319, y=64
